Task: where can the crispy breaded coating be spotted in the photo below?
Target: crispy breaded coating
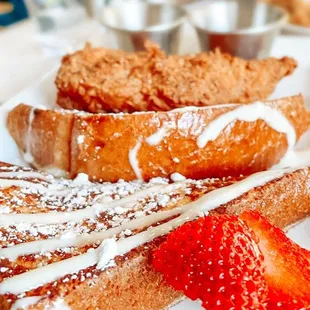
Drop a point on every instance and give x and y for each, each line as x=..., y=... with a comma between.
x=98, y=80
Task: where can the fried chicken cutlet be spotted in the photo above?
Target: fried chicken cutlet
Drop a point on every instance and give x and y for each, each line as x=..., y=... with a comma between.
x=102, y=80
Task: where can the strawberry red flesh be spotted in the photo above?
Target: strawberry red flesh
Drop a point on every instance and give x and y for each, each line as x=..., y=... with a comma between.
x=287, y=266
x=217, y=260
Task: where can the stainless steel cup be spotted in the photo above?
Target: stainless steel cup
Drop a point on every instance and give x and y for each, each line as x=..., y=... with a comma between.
x=244, y=28
x=134, y=22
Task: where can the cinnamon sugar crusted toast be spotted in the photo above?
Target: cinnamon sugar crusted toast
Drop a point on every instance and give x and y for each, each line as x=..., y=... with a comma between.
x=101, y=80
x=36, y=207
x=224, y=140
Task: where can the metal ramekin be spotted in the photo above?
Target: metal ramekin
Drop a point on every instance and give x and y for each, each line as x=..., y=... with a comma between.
x=134, y=22
x=244, y=28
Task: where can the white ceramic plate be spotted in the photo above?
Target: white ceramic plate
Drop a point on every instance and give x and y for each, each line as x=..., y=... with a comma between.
x=297, y=30
x=42, y=93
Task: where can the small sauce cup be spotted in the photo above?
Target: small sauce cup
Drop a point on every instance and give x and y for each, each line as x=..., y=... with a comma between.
x=134, y=22
x=243, y=28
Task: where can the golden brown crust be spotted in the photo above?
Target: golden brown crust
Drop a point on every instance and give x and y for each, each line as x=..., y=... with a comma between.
x=100, y=80
x=50, y=136
x=283, y=202
x=133, y=284
x=99, y=145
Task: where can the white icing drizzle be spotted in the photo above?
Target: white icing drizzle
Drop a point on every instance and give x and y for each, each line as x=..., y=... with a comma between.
x=158, y=136
x=47, y=218
x=24, y=184
x=56, y=172
x=26, y=175
x=50, y=273
x=194, y=108
x=34, y=278
x=53, y=244
x=133, y=159
x=24, y=303
x=78, y=215
x=107, y=252
x=177, y=177
x=47, y=190
x=133, y=198
x=27, y=155
x=81, y=179
x=58, y=304
x=249, y=113
x=300, y=158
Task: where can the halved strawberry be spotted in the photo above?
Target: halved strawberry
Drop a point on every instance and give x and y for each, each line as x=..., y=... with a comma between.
x=215, y=259
x=287, y=266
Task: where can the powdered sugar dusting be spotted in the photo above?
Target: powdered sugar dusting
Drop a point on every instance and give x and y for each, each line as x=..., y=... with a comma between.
x=177, y=177
x=66, y=239
x=80, y=139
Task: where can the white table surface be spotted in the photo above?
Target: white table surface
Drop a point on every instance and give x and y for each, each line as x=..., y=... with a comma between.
x=22, y=59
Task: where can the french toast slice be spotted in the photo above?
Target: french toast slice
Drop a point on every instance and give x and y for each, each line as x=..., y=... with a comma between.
x=36, y=207
x=100, y=80
x=216, y=141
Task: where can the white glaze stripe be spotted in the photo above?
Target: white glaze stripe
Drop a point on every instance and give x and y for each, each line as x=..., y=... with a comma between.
x=133, y=159
x=47, y=190
x=79, y=215
x=249, y=113
x=53, y=244
x=27, y=155
x=26, y=175
x=300, y=158
x=158, y=136
x=47, y=218
x=25, y=302
x=58, y=304
x=43, y=275
x=23, y=184
x=35, y=278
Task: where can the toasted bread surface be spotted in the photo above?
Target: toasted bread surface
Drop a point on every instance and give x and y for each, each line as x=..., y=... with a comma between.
x=131, y=283
x=144, y=145
x=49, y=135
